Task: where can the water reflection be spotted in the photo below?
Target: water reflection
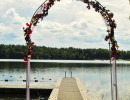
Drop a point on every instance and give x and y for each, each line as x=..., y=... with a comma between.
x=95, y=77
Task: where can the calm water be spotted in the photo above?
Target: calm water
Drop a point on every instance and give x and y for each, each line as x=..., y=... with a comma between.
x=95, y=77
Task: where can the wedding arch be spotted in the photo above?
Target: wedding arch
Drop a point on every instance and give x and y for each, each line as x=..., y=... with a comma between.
x=42, y=12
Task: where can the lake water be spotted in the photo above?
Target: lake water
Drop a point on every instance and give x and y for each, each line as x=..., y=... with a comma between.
x=95, y=76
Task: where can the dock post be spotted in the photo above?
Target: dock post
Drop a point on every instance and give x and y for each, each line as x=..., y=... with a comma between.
x=65, y=74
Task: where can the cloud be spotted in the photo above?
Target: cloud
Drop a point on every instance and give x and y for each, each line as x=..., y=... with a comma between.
x=2, y=27
x=11, y=27
x=69, y=23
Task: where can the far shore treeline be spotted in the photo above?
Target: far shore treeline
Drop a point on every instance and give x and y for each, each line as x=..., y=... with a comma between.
x=42, y=52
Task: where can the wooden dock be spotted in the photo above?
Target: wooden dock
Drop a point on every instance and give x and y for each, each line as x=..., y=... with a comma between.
x=19, y=91
x=24, y=87
x=65, y=89
x=69, y=89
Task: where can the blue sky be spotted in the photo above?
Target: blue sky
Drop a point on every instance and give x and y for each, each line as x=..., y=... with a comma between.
x=69, y=24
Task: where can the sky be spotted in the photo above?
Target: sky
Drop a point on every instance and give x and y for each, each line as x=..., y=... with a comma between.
x=68, y=24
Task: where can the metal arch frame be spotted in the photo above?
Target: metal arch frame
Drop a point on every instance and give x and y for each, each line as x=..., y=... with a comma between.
x=42, y=12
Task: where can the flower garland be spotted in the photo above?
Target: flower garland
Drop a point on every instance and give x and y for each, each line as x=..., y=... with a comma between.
x=110, y=22
x=42, y=12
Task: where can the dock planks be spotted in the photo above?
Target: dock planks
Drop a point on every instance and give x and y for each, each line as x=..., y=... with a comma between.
x=69, y=89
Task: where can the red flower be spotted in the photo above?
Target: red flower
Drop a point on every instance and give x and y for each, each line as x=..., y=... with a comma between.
x=113, y=55
x=25, y=58
x=37, y=15
x=111, y=15
x=114, y=25
x=48, y=4
x=50, y=0
x=106, y=38
x=31, y=53
x=32, y=43
x=25, y=63
x=27, y=24
x=30, y=32
x=43, y=11
x=88, y=7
